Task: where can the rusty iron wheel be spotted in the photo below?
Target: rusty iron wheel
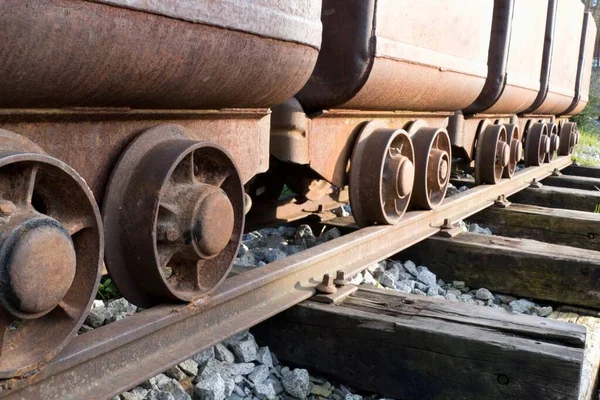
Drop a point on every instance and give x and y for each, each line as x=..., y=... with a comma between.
x=492, y=153
x=568, y=138
x=432, y=164
x=51, y=246
x=174, y=217
x=554, y=141
x=381, y=175
x=537, y=144
x=516, y=150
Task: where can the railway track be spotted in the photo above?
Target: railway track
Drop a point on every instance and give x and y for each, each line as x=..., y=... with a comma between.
x=116, y=357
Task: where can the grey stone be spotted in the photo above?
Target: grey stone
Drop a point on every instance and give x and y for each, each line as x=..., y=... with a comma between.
x=240, y=368
x=275, y=360
x=294, y=248
x=159, y=380
x=229, y=386
x=132, y=396
x=274, y=241
x=274, y=255
x=506, y=299
x=421, y=286
x=451, y=190
x=97, y=316
x=410, y=267
x=409, y=283
x=265, y=391
x=242, y=250
x=331, y=234
x=484, y=294
x=296, y=383
x=267, y=231
x=225, y=369
x=477, y=229
x=425, y=276
x=205, y=355
x=303, y=231
x=522, y=306
x=175, y=389
x=239, y=391
x=190, y=367
x=542, y=311
x=451, y=297
x=459, y=285
x=222, y=353
x=419, y=292
x=405, y=276
x=454, y=291
x=403, y=287
x=465, y=298
x=212, y=388
x=259, y=374
x=176, y=373
x=441, y=283
x=394, y=271
x=245, y=350
x=376, y=270
x=437, y=296
x=277, y=386
x=235, y=396
x=263, y=355
x=368, y=279
x=479, y=302
x=156, y=394
x=387, y=280
x=84, y=329
x=287, y=231
x=353, y=397
x=246, y=260
x=119, y=307
x=356, y=279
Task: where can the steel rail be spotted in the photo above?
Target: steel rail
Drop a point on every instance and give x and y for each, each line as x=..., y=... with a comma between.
x=116, y=357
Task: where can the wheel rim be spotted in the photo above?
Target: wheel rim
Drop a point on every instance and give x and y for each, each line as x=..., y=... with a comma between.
x=381, y=175
x=432, y=164
x=516, y=150
x=536, y=144
x=176, y=209
x=50, y=256
x=493, y=153
x=568, y=138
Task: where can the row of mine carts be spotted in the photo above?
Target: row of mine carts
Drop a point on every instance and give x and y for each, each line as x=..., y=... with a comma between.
x=140, y=133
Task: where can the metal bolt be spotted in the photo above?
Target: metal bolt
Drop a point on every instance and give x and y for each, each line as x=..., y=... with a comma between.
x=326, y=286
x=556, y=172
x=340, y=279
x=446, y=224
x=172, y=234
x=7, y=207
x=535, y=184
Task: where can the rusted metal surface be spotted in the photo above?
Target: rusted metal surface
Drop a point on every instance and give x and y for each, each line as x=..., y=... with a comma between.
x=275, y=19
x=74, y=135
x=537, y=144
x=116, y=357
x=584, y=68
x=493, y=153
x=435, y=60
x=554, y=141
x=569, y=137
x=51, y=247
x=516, y=149
x=433, y=159
x=325, y=141
x=514, y=64
x=173, y=214
x=63, y=53
x=291, y=209
x=382, y=175
x=562, y=64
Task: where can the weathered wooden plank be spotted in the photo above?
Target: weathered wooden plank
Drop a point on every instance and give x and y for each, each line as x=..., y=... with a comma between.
x=411, y=347
x=553, y=225
x=573, y=182
x=520, y=267
x=592, y=172
x=591, y=354
x=556, y=197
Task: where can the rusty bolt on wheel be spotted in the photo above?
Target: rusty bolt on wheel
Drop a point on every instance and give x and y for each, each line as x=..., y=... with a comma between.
x=327, y=285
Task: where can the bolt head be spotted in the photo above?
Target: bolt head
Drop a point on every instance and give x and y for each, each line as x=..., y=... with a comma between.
x=7, y=207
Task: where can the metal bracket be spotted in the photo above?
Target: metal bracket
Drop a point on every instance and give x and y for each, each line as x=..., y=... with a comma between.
x=449, y=230
x=556, y=172
x=337, y=297
x=502, y=202
x=535, y=184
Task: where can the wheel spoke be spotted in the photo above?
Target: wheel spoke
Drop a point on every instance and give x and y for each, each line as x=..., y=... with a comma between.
x=20, y=186
x=68, y=310
x=165, y=253
x=74, y=225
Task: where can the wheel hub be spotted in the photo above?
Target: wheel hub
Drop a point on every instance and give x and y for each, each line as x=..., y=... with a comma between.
x=213, y=222
x=38, y=258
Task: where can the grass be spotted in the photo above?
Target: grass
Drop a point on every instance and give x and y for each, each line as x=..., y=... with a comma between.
x=587, y=152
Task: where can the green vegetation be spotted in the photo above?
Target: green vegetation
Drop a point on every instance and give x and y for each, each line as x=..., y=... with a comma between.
x=587, y=152
x=107, y=290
